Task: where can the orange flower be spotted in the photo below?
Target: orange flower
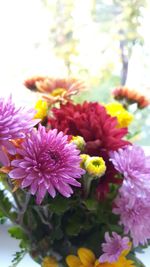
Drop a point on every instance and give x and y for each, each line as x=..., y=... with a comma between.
x=55, y=90
x=86, y=258
x=31, y=82
x=6, y=169
x=49, y=262
x=128, y=96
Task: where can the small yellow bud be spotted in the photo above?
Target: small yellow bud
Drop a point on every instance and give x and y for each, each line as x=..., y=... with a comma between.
x=49, y=262
x=83, y=157
x=95, y=166
x=86, y=256
x=79, y=141
x=42, y=108
x=115, y=109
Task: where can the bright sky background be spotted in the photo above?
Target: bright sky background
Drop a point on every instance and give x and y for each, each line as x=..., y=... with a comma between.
x=25, y=51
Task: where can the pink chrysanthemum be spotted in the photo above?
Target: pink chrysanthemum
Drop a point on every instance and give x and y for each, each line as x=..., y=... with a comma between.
x=48, y=164
x=135, y=167
x=14, y=123
x=134, y=216
x=113, y=247
x=133, y=201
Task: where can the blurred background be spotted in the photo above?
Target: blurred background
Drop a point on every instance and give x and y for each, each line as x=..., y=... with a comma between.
x=106, y=43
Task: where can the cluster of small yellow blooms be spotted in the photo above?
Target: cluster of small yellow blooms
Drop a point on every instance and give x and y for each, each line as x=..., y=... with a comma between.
x=115, y=109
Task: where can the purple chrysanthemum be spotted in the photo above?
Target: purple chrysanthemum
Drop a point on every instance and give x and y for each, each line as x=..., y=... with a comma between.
x=113, y=247
x=135, y=167
x=14, y=124
x=134, y=215
x=48, y=164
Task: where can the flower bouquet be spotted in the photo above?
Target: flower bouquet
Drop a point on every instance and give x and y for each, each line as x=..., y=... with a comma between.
x=74, y=186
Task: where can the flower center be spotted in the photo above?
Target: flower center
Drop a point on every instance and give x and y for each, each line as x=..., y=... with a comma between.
x=53, y=155
x=58, y=92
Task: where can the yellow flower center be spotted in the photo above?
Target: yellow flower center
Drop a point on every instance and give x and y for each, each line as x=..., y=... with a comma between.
x=58, y=92
x=95, y=166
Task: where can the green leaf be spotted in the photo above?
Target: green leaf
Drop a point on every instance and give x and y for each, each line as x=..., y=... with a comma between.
x=4, y=201
x=115, y=228
x=74, y=223
x=5, y=207
x=91, y=204
x=18, y=256
x=137, y=262
x=17, y=232
x=2, y=218
x=2, y=176
x=56, y=234
x=73, y=229
x=59, y=205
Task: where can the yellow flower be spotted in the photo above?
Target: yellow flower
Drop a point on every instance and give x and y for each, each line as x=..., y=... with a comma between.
x=104, y=264
x=122, y=262
x=49, y=262
x=85, y=258
x=115, y=109
x=79, y=141
x=95, y=166
x=42, y=108
x=73, y=261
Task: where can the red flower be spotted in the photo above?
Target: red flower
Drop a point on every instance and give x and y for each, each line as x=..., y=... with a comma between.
x=110, y=177
x=99, y=130
x=90, y=121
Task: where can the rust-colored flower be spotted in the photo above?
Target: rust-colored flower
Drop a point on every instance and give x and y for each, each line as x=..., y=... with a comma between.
x=129, y=96
x=55, y=90
x=31, y=83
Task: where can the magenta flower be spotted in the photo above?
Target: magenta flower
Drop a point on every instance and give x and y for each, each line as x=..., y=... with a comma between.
x=134, y=215
x=48, y=164
x=135, y=167
x=113, y=247
x=14, y=123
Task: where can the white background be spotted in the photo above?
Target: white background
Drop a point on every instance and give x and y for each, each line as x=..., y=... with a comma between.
x=8, y=246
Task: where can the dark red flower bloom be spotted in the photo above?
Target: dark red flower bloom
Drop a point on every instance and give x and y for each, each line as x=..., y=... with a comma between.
x=110, y=177
x=91, y=121
x=99, y=130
